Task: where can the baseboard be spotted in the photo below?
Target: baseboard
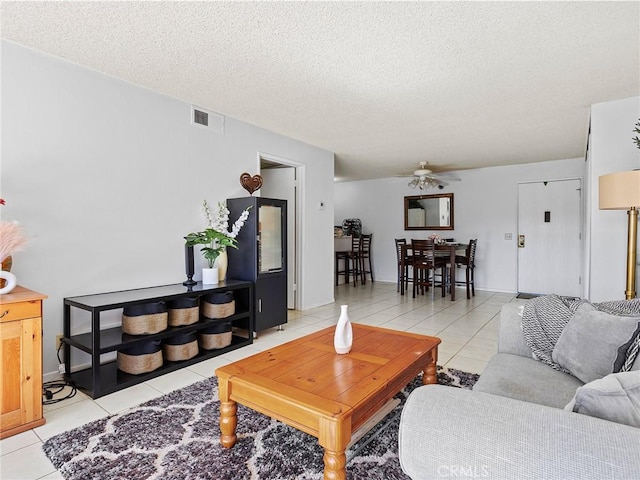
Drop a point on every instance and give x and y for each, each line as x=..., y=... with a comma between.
x=51, y=377
x=55, y=376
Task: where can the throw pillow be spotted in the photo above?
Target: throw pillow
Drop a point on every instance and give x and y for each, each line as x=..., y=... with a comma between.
x=632, y=355
x=615, y=397
x=594, y=344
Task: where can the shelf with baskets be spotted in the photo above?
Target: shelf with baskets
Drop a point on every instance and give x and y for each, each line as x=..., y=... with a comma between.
x=163, y=329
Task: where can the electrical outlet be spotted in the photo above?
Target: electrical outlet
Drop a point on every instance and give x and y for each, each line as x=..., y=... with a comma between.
x=58, y=341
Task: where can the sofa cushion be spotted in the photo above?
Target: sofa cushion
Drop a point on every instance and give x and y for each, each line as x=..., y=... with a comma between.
x=615, y=397
x=594, y=344
x=510, y=337
x=450, y=433
x=527, y=379
x=543, y=320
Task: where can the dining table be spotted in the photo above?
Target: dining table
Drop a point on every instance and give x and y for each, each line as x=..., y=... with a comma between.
x=440, y=249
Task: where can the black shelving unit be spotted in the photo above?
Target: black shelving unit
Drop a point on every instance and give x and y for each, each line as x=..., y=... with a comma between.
x=103, y=378
x=261, y=256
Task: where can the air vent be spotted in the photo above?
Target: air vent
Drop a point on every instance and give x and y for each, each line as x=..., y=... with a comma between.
x=205, y=119
x=201, y=118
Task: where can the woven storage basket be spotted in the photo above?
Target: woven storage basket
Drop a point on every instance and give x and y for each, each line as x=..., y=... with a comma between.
x=143, y=358
x=180, y=347
x=145, y=319
x=183, y=311
x=218, y=305
x=218, y=336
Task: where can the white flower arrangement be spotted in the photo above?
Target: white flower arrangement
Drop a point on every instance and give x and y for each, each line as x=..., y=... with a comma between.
x=220, y=223
x=216, y=237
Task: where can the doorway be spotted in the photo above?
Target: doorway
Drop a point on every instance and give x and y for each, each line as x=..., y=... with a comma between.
x=550, y=237
x=281, y=180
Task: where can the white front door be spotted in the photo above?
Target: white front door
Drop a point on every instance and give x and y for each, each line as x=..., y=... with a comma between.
x=549, y=237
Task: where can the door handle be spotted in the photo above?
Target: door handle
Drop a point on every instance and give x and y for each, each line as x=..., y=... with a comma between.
x=520, y=241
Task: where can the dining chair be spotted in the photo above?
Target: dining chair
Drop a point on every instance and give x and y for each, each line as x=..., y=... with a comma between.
x=468, y=262
x=351, y=259
x=403, y=274
x=365, y=257
x=424, y=266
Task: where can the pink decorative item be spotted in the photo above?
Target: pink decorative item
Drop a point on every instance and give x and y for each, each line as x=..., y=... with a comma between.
x=12, y=239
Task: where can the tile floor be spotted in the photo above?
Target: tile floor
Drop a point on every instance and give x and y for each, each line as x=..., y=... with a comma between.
x=467, y=328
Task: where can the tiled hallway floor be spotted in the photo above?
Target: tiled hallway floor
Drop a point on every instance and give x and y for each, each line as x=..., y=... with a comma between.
x=468, y=329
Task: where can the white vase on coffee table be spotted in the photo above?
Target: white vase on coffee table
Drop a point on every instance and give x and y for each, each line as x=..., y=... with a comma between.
x=343, y=335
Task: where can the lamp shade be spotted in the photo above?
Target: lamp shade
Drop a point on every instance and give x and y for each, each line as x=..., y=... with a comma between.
x=619, y=191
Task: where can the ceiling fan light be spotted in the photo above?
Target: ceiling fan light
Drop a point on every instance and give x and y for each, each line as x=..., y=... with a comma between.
x=424, y=178
x=422, y=182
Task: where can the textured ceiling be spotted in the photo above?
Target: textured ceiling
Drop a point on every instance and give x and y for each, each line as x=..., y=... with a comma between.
x=383, y=85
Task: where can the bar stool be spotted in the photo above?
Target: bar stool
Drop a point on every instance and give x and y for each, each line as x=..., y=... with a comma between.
x=351, y=260
x=403, y=275
x=468, y=262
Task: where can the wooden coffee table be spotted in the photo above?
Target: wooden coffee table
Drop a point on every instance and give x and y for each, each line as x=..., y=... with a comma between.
x=306, y=385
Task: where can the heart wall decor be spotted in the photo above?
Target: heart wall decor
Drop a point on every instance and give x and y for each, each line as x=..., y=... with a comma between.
x=249, y=183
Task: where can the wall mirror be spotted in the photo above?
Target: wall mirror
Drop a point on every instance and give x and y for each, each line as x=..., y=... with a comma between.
x=429, y=212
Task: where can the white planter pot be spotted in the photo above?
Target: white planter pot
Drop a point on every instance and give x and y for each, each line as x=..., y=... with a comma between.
x=11, y=279
x=210, y=276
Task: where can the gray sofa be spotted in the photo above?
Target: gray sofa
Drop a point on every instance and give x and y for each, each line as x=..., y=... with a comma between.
x=519, y=422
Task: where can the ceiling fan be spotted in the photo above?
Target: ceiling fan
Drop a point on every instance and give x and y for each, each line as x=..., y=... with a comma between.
x=425, y=178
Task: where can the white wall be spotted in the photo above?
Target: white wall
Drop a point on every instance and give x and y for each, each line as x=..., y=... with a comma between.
x=107, y=178
x=485, y=208
x=611, y=149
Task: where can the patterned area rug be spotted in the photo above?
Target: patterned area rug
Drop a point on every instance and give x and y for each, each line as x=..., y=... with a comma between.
x=176, y=437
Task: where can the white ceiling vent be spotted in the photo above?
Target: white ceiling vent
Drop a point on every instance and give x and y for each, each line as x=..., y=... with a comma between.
x=205, y=119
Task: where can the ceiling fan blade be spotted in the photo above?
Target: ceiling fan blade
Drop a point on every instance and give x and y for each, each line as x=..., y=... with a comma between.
x=426, y=178
x=445, y=176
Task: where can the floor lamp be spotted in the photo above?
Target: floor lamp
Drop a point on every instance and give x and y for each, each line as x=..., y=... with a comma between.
x=621, y=191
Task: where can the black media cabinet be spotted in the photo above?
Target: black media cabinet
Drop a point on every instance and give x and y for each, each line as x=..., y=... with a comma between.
x=103, y=378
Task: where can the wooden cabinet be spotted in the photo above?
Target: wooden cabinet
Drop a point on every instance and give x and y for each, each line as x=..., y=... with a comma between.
x=20, y=361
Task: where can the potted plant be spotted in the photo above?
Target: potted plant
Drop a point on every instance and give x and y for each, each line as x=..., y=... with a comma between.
x=216, y=238
x=12, y=240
